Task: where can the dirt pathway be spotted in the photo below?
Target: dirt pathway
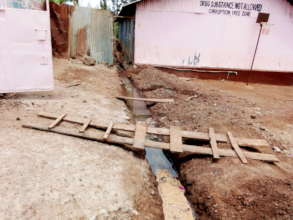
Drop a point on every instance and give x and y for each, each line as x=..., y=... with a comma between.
x=47, y=176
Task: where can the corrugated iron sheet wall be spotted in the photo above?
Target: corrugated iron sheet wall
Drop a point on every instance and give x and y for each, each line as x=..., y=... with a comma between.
x=101, y=36
x=126, y=37
x=80, y=20
x=92, y=34
x=26, y=4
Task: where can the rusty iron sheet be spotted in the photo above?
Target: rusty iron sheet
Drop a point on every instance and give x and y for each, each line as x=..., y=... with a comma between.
x=60, y=25
x=91, y=34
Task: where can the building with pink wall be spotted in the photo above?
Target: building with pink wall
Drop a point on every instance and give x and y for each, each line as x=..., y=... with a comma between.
x=25, y=46
x=213, y=34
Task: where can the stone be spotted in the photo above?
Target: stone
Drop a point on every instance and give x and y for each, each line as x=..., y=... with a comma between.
x=262, y=128
x=253, y=116
x=87, y=60
x=277, y=149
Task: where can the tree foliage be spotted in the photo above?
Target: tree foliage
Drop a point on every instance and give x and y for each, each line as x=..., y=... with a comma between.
x=117, y=4
x=74, y=2
x=103, y=4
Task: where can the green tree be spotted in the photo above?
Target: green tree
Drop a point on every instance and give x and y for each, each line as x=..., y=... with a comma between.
x=75, y=2
x=117, y=4
x=103, y=4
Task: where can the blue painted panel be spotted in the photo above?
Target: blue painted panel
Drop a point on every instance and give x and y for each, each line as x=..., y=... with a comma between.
x=126, y=37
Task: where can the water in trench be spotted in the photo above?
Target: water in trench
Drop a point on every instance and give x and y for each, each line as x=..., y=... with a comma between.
x=155, y=157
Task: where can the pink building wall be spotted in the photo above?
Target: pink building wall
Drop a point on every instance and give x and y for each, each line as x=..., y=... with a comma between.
x=25, y=50
x=193, y=34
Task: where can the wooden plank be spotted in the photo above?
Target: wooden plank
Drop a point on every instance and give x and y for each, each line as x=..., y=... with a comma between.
x=175, y=139
x=213, y=143
x=140, y=135
x=145, y=99
x=85, y=126
x=161, y=131
x=108, y=131
x=223, y=138
x=57, y=121
x=174, y=203
x=230, y=153
x=114, y=139
x=237, y=148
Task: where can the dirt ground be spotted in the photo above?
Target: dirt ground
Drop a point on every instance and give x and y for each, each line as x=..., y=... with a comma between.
x=49, y=176
x=227, y=189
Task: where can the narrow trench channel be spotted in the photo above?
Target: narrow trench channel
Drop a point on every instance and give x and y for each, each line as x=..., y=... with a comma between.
x=157, y=158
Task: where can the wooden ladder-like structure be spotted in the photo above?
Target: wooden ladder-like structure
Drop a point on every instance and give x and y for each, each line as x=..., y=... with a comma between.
x=84, y=127
x=176, y=135
x=176, y=144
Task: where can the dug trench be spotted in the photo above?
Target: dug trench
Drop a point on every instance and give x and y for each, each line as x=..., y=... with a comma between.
x=226, y=188
x=170, y=189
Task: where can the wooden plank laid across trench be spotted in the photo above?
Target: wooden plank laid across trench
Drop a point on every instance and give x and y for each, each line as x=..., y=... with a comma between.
x=146, y=99
x=57, y=121
x=175, y=139
x=140, y=135
x=114, y=139
x=237, y=148
x=213, y=143
x=161, y=131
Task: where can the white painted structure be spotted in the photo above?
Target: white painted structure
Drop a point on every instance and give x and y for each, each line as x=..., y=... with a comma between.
x=214, y=34
x=25, y=49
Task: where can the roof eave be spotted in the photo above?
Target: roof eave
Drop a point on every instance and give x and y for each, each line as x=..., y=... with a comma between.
x=127, y=5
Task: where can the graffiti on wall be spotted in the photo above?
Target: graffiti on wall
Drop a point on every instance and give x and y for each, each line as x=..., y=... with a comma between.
x=191, y=60
x=231, y=8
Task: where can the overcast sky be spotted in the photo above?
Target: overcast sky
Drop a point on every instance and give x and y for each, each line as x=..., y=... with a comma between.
x=91, y=3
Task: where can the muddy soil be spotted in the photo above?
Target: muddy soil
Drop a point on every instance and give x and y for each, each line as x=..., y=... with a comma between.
x=227, y=189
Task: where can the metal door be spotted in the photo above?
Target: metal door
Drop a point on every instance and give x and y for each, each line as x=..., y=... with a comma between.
x=25, y=49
